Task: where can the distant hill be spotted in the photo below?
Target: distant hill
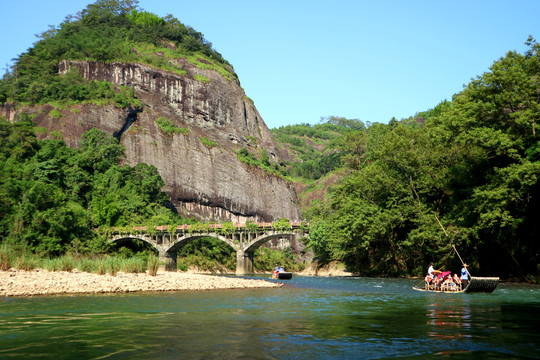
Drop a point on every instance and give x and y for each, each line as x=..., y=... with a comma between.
x=313, y=156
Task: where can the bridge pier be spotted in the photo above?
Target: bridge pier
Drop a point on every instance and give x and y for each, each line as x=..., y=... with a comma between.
x=244, y=262
x=167, y=261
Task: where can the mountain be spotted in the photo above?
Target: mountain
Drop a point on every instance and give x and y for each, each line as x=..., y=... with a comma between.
x=185, y=112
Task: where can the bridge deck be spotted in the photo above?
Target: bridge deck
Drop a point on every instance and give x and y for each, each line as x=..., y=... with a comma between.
x=262, y=226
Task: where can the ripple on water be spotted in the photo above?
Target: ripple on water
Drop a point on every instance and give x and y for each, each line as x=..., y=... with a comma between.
x=313, y=318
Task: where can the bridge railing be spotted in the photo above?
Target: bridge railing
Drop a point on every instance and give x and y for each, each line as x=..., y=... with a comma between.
x=259, y=226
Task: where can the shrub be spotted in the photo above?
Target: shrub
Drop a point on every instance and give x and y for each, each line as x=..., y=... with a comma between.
x=201, y=79
x=87, y=265
x=101, y=267
x=52, y=264
x=26, y=262
x=133, y=265
x=67, y=263
x=169, y=128
x=153, y=265
x=208, y=143
x=112, y=265
x=6, y=254
x=55, y=114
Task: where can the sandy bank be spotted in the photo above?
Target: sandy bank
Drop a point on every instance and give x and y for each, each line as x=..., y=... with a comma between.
x=43, y=282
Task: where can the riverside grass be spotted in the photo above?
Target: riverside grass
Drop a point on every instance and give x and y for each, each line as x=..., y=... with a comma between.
x=99, y=265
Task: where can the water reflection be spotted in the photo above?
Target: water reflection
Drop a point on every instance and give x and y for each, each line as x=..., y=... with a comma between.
x=449, y=320
x=312, y=318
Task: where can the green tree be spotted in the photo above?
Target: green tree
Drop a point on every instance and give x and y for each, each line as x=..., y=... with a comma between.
x=52, y=196
x=473, y=166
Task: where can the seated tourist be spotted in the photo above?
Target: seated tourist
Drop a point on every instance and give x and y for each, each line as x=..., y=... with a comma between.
x=457, y=281
x=436, y=283
x=451, y=285
x=444, y=283
x=429, y=280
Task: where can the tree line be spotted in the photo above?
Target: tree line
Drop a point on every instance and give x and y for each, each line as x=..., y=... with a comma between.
x=470, y=165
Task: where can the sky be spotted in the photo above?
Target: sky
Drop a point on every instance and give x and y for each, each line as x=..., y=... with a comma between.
x=301, y=60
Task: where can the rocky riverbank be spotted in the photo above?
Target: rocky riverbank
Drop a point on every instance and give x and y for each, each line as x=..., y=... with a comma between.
x=43, y=282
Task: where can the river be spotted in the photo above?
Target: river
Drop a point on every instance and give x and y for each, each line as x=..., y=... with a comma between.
x=310, y=318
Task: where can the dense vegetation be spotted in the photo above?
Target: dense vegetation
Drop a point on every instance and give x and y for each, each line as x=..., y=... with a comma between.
x=209, y=254
x=106, y=31
x=52, y=196
x=472, y=169
x=316, y=149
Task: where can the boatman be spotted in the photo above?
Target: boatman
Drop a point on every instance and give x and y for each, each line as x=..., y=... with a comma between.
x=430, y=270
x=464, y=276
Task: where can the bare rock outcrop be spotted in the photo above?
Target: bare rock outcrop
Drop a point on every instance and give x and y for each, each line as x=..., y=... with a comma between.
x=202, y=173
x=333, y=268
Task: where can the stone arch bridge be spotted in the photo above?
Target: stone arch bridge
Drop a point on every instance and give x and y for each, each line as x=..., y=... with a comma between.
x=244, y=239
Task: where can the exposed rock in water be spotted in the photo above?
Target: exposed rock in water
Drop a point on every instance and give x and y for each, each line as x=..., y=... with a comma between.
x=203, y=179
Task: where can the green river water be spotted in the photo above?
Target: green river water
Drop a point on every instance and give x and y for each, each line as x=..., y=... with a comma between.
x=310, y=318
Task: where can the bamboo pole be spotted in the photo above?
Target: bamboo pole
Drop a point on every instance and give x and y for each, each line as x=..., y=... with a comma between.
x=462, y=262
x=458, y=254
x=446, y=235
x=442, y=227
x=419, y=283
x=453, y=246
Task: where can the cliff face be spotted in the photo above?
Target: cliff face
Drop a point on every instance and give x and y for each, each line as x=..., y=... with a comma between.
x=203, y=180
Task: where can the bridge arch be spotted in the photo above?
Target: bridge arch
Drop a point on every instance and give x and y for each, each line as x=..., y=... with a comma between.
x=119, y=239
x=243, y=240
x=256, y=243
x=180, y=241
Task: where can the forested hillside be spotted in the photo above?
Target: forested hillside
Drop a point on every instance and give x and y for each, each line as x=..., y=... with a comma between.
x=465, y=173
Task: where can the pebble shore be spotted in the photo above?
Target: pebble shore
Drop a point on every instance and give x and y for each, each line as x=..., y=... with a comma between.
x=43, y=282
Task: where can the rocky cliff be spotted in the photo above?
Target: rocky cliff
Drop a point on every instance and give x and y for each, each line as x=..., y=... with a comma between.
x=203, y=176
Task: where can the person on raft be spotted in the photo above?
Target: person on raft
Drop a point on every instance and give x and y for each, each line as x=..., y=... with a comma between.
x=464, y=276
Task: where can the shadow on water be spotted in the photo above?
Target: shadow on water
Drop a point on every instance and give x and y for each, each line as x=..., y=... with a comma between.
x=309, y=318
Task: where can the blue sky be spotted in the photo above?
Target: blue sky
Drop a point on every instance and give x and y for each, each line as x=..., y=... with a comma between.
x=306, y=59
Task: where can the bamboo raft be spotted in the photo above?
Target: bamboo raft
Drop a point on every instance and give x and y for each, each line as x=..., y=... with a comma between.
x=282, y=276
x=476, y=285
x=285, y=275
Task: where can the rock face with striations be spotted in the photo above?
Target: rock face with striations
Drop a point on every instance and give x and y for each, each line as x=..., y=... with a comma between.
x=202, y=173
